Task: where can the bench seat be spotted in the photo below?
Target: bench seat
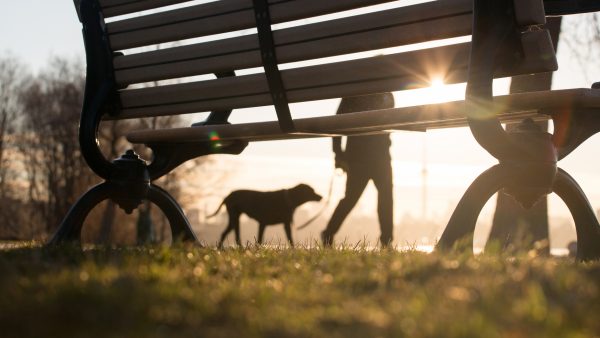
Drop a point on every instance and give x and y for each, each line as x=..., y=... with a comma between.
x=515, y=107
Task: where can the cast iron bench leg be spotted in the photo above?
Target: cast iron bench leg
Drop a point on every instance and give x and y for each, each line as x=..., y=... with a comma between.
x=461, y=226
x=70, y=228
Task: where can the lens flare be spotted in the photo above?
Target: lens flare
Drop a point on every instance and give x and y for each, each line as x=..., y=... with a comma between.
x=215, y=140
x=214, y=136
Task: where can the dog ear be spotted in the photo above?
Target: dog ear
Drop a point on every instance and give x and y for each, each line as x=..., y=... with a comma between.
x=300, y=186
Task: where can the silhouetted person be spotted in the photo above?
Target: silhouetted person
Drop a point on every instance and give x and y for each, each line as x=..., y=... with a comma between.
x=364, y=158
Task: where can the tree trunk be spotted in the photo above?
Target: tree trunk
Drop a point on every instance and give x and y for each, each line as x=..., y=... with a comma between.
x=513, y=227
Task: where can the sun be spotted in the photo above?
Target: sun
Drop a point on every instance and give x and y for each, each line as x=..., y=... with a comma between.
x=437, y=83
x=437, y=92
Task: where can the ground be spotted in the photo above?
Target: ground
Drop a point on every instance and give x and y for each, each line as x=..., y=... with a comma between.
x=187, y=291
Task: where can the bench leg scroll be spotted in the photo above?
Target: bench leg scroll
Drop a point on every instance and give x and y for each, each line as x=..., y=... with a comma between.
x=586, y=223
x=462, y=222
x=180, y=227
x=70, y=228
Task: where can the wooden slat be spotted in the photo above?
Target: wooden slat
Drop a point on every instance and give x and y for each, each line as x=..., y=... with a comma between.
x=120, y=7
x=416, y=66
x=215, y=8
x=128, y=35
x=110, y=3
x=510, y=107
x=349, y=35
x=569, y=7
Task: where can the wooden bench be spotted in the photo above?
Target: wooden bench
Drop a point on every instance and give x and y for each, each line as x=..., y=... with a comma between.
x=507, y=39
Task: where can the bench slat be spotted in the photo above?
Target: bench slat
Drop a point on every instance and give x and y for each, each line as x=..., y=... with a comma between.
x=112, y=8
x=514, y=107
x=108, y=3
x=356, y=34
x=169, y=26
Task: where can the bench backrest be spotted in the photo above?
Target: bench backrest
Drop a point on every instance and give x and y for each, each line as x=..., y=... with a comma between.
x=209, y=53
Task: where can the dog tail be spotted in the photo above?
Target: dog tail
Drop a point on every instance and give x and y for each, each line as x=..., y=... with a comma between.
x=217, y=211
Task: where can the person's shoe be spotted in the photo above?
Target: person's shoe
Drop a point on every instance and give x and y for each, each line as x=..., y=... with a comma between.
x=327, y=239
x=386, y=243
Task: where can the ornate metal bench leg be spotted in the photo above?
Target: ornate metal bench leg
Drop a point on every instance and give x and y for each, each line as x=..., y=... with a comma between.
x=586, y=223
x=462, y=223
x=70, y=228
x=180, y=227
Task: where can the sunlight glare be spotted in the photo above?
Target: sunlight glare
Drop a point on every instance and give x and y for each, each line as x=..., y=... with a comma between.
x=437, y=83
x=437, y=92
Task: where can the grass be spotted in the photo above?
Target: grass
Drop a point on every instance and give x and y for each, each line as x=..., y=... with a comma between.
x=270, y=292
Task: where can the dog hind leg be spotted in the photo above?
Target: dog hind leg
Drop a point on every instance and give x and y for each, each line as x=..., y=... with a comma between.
x=233, y=224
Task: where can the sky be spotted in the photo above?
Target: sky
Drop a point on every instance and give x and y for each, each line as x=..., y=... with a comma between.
x=36, y=30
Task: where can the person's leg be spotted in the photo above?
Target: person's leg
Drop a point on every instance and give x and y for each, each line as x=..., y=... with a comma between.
x=382, y=177
x=356, y=181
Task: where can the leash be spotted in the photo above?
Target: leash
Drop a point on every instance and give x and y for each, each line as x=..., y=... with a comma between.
x=320, y=212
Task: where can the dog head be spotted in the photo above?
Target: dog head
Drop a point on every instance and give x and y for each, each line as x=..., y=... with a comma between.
x=303, y=193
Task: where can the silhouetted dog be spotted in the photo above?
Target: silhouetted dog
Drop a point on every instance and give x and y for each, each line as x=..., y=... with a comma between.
x=267, y=207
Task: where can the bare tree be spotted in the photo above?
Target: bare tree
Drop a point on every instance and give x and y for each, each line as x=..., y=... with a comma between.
x=55, y=169
x=12, y=77
x=583, y=40
x=10, y=83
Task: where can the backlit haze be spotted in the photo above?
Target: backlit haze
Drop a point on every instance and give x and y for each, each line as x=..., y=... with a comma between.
x=431, y=170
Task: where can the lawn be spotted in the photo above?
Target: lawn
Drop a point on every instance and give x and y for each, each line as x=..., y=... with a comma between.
x=189, y=291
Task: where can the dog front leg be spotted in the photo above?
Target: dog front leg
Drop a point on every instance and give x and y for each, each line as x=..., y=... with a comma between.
x=288, y=232
x=261, y=232
x=233, y=224
x=237, y=233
